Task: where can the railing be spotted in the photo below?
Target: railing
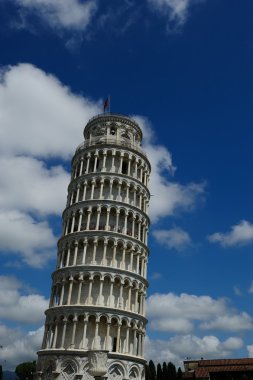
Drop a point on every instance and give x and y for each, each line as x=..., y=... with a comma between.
x=110, y=140
x=112, y=114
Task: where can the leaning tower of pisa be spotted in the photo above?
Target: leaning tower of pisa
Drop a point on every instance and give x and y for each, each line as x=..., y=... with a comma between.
x=99, y=286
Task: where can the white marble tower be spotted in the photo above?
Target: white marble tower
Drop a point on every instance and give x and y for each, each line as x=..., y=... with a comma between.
x=99, y=285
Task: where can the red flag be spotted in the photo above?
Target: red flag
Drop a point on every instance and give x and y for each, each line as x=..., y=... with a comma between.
x=106, y=103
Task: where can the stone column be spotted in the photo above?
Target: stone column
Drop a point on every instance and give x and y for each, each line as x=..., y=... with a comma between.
x=73, y=222
x=68, y=255
x=89, y=292
x=62, y=292
x=63, y=331
x=107, y=219
x=88, y=218
x=107, y=336
x=88, y=163
x=105, y=250
x=85, y=243
x=84, y=333
x=75, y=252
x=81, y=167
x=129, y=297
x=80, y=220
x=100, y=291
x=70, y=290
x=95, y=244
x=118, y=338
x=98, y=217
x=93, y=182
x=127, y=340
x=113, y=160
x=114, y=254
x=73, y=337
x=77, y=193
x=104, y=161
x=117, y=220
x=110, y=296
x=101, y=189
x=84, y=190
x=79, y=289
x=95, y=161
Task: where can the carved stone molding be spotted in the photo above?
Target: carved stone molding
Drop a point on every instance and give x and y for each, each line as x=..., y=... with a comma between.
x=98, y=362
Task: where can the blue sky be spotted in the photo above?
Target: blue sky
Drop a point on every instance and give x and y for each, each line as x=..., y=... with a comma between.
x=183, y=68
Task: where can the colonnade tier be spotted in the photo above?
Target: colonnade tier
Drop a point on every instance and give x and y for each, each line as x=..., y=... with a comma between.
x=113, y=125
x=111, y=160
x=135, y=280
x=116, y=188
x=104, y=252
x=106, y=217
x=85, y=331
x=97, y=289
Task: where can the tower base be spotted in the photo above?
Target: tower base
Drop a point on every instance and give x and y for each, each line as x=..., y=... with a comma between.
x=74, y=365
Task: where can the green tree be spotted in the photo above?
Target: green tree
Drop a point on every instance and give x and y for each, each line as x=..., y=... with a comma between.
x=172, y=373
x=147, y=373
x=152, y=369
x=25, y=370
x=159, y=373
x=165, y=371
x=179, y=373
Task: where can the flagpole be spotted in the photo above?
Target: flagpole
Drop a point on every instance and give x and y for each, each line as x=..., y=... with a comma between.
x=109, y=97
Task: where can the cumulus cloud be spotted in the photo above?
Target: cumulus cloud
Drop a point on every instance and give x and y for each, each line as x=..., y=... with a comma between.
x=250, y=350
x=40, y=119
x=71, y=15
x=20, y=234
x=168, y=197
x=176, y=11
x=251, y=288
x=19, y=347
x=17, y=306
x=28, y=185
x=181, y=346
x=39, y=115
x=175, y=313
x=175, y=238
x=239, y=322
x=155, y=276
x=241, y=234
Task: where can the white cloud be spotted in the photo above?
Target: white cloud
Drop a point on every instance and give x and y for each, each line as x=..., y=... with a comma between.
x=39, y=115
x=20, y=347
x=178, y=325
x=155, y=276
x=174, y=238
x=237, y=291
x=250, y=350
x=28, y=185
x=240, y=234
x=62, y=14
x=251, y=288
x=39, y=119
x=170, y=312
x=239, y=322
x=22, y=235
x=181, y=346
x=176, y=11
x=168, y=197
x=19, y=307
